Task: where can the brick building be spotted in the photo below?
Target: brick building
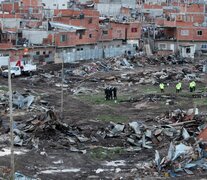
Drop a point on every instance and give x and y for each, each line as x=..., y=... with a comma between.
x=170, y=37
x=30, y=23
x=183, y=27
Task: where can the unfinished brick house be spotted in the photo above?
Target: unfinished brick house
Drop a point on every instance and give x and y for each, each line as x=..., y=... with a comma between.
x=68, y=30
x=98, y=32
x=185, y=29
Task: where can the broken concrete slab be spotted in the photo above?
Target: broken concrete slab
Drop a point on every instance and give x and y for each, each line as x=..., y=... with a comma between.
x=136, y=127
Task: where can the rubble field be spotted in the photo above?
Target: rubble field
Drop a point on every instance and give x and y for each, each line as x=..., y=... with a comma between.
x=144, y=134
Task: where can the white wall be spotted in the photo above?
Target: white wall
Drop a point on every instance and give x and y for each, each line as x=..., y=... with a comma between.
x=34, y=36
x=133, y=42
x=155, y=1
x=129, y=3
x=113, y=7
x=154, y=12
x=109, y=9
x=10, y=22
x=55, y=4
x=185, y=54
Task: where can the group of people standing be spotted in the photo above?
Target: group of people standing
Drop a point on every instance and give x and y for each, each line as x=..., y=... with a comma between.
x=178, y=87
x=110, y=93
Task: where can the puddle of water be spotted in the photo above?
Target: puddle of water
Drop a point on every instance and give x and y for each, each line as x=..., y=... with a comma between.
x=6, y=152
x=52, y=171
x=143, y=165
x=58, y=162
x=116, y=163
x=117, y=170
x=99, y=170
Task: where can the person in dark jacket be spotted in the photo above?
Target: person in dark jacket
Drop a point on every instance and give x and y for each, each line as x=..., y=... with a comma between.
x=114, y=93
x=110, y=93
x=107, y=93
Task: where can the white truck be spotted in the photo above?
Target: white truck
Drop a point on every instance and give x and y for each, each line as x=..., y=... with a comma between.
x=19, y=69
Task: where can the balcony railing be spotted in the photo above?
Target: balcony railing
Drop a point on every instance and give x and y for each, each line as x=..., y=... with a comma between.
x=164, y=37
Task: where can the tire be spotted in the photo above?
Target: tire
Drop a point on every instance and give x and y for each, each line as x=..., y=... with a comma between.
x=12, y=76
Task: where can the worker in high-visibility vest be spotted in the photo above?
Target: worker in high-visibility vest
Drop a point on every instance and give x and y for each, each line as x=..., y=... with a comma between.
x=178, y=87
x=162, y=87
x=192, y=86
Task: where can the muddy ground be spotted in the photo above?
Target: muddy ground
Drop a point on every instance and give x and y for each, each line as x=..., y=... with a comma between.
x=106, y=158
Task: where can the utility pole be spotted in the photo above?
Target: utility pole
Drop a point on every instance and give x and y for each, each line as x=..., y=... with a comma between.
x=13, y=7
x=102, y=46
x=62, y=90
x=11, y=120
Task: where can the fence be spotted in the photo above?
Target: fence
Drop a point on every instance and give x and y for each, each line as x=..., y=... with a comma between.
x=97, y=53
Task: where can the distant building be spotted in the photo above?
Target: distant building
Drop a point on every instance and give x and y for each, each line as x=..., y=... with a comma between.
x=114, y=7
x=55, y=4
x=180, y=36
x=155, y=1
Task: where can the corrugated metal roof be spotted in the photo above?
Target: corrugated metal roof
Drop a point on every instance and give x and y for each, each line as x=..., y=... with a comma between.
x=66, y=26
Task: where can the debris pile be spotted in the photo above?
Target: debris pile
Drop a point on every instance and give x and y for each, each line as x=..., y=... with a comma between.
x=185, y=157
x=168, y=60
x=28, y=100
x=187, y=150
x=74, y=74
x=186, y=153
x=154, y=77
x=151, y=127
x=40, y=127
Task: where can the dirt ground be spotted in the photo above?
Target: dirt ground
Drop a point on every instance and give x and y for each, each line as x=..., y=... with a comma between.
x=106, y=158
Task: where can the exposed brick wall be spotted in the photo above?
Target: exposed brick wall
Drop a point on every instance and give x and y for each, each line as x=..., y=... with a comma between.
x=11, y=16
x=70, y=12
x=106, y=37
x=87, y=22
x=74, y=38
x=33, y=2
x=192, y=8
x=125, y=11
x=193, y=34
x=134, y=31
x=164, y=52
x=170, y=32
x=152, y=6
x=6, y=45
x=119, y=30
x=194, y=18
x=8, y=7
x=70, y=41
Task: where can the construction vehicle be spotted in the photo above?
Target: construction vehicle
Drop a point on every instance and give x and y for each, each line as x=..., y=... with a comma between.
x=21, y=68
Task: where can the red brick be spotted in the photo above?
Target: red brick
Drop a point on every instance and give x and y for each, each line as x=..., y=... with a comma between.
x=30, y=2
x=131, y=34
x=203, y=135
x=6, y=45
x=8, y=6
